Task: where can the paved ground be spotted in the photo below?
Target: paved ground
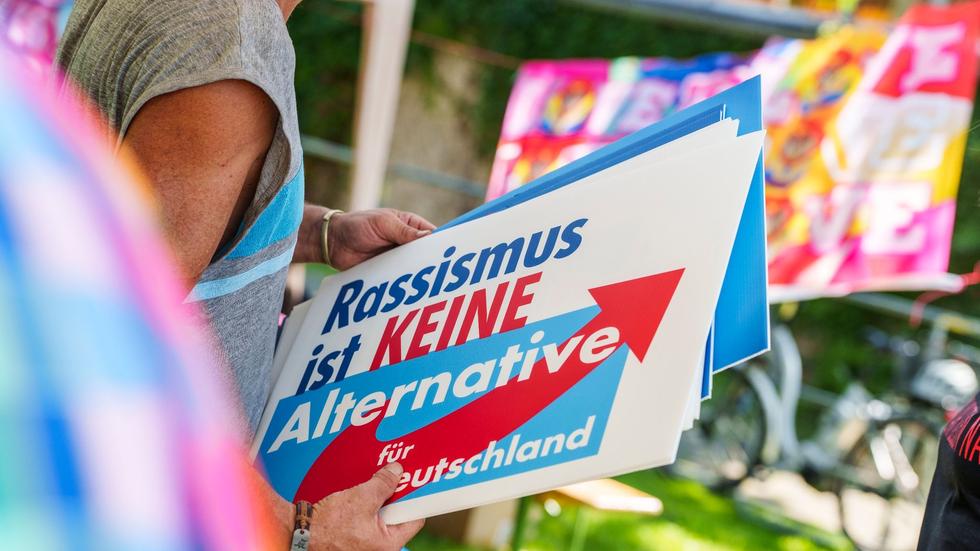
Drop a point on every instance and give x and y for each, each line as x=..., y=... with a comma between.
x=789, y=494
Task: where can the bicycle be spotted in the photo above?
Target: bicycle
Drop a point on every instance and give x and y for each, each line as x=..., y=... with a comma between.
x=876, y=454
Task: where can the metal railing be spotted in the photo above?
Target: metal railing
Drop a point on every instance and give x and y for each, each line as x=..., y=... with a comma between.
x=953, y=322
x=340, y=153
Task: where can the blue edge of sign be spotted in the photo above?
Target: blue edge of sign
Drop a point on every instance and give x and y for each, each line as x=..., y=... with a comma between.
x=741, y=324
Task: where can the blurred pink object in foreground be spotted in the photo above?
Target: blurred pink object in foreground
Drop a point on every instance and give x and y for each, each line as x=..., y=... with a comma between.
x=114, y=422
x=30, y=28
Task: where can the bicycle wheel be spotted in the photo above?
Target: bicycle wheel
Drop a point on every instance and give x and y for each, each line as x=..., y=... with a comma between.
x=884, y=480
x=726, y=443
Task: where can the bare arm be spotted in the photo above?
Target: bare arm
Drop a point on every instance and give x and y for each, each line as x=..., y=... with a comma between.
x=203, y=149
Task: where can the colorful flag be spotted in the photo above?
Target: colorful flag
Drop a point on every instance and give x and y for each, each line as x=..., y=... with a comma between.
x=864, y=152
x=114, y=422
x=865, y=156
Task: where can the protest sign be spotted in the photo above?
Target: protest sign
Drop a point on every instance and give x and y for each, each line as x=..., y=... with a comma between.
x=553, y=341
x=741, y=326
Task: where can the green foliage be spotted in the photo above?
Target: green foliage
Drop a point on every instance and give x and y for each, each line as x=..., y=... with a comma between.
x=966, y=242
x=327, y=59
x=830, y=334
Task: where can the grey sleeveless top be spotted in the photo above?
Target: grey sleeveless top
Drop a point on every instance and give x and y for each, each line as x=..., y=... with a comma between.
x=124, y=53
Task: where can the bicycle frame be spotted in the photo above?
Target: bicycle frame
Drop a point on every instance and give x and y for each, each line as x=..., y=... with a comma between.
x=780, y=402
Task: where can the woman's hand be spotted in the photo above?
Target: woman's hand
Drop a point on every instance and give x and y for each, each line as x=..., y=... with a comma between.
x=357, y=236
x=349, y=520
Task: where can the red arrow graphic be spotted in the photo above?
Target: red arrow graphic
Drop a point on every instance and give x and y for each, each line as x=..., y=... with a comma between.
x=636, y=308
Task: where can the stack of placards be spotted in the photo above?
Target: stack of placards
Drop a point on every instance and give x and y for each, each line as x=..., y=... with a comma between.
x=555, y=335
